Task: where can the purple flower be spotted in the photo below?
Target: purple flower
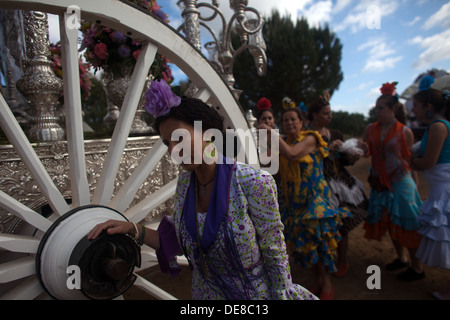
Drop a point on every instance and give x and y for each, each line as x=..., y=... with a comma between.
x=160, y=14
x=159, y=98
x=117, y=36
x=123, y=51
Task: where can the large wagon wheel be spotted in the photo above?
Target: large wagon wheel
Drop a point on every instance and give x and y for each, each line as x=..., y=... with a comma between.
x=44, y=255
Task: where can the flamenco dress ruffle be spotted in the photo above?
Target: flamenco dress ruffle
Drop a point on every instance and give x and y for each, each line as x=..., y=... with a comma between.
x=434, y=249
x=395, y=211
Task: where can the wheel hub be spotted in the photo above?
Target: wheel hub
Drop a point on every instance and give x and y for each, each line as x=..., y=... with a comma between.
x=105, y=265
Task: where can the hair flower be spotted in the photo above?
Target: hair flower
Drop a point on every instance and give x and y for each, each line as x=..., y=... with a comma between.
x=388, y=88
x=159, y=98
x=302, y=106
x=263, y=104
x=287, y=103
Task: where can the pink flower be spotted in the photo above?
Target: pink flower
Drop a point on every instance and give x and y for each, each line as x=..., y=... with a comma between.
x=136, y=54
x=159, y=98
x=100, y=50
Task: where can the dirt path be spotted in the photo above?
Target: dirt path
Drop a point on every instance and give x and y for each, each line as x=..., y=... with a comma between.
x=362, y=253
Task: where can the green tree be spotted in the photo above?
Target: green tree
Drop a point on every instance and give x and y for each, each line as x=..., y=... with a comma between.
x=350, y=124
x=302, y=61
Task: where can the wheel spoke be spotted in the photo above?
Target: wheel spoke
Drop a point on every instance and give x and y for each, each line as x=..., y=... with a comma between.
x=202, y=94
x=127, y=192
x=18, y=243
x=29, y=289
x=105, y=186
x=26, y=152
x=72, y=107
x=152, y=289
x=142, y=209
x=17, y=269
x=18, y=209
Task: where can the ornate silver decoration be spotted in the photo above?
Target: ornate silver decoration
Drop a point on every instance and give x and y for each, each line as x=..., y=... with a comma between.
x=39, y=85
x=221, y=52
x=115, y=87
x=140, y=124
x=16, y=181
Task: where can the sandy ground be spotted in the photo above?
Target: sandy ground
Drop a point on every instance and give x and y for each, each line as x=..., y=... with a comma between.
x=362, y=253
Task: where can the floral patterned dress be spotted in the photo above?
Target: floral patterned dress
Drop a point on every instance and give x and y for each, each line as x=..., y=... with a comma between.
x=246, y=258
x=311, y=221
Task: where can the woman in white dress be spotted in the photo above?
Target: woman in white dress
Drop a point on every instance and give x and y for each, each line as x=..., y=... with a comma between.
x=433, y=157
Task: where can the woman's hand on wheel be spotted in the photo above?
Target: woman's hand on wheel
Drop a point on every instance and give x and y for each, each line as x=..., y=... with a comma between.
x=112, y=227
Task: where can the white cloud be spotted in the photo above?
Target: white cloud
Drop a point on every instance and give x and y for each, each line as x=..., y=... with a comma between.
x=373, y=94
x=357, y=18
x=361, y=86
x=413, y=22
x=290, y=6
x=437, y=48
x=341, y=5
x=381, y=56
x=318, y=13
x=440, y=18
x=381, y=64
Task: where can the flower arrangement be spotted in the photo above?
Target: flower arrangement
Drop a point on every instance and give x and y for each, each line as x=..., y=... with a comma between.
x=159, y=98
x=388, y=88
x=114, y=52
x=263, y=104
x=85, y=76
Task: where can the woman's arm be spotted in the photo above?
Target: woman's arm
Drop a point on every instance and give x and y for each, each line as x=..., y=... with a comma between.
x=296, y=152
x=151, y=237
x=437, y=134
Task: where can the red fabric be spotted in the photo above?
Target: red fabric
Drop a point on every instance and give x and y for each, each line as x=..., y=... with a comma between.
x=376, y=148
x=406, y=238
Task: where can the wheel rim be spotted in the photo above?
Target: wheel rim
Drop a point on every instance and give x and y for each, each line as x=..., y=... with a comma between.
x=20, y=274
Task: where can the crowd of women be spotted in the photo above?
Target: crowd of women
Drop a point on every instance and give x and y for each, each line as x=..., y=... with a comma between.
x=238, y=226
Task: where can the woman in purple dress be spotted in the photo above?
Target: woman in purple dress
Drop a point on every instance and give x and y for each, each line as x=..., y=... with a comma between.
x=226, y=219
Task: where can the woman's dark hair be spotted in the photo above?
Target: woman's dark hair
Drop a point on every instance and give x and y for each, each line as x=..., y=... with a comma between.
x=316, y=106
x=299, y=112
x=394, y=104
x=259, y=113
x=437, y=99
x=190, y=110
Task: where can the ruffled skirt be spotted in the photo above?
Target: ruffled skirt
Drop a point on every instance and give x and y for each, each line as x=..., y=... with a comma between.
x=434, y=249
x=352, y=197
x=311, y=238
x=396, y=211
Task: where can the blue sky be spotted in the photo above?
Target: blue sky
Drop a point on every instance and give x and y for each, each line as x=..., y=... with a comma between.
x=411, y=38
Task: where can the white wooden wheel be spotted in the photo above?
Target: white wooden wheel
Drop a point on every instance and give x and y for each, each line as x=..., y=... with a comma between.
x=19, y=278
